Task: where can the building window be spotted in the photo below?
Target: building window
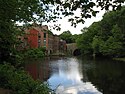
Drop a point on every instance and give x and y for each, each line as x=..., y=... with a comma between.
x=44, y=35
x=39, y=41
x=44, y=42
x=39, y=36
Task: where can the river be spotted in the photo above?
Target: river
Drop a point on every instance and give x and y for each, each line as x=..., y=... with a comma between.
x=79, y=75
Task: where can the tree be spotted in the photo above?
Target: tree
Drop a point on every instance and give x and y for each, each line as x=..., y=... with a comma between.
x=67, y=7
x=105, y=37
x=96, y=45
x=84, y=43
x=11, y=12
x=67, y=36
x=74, y=38
x=111, y=47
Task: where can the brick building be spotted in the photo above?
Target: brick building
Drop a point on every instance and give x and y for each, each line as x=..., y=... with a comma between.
x=56, y=45
x=31, y=38
x=37, y=36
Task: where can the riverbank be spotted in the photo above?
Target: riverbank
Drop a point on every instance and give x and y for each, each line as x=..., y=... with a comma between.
x=18, y=81
x=5, y=91
x=119, y=59
x=58, y=54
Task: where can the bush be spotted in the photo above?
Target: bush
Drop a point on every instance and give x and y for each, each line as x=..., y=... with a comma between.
x=19, y=82
x=35, y=53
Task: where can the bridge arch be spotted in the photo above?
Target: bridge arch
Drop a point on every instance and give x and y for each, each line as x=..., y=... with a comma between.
x=76, y=52
x=72, y=49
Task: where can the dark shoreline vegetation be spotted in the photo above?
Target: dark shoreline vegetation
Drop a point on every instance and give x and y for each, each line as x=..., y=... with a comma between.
x=119, y=59
x=15, y=79
x=19, y=82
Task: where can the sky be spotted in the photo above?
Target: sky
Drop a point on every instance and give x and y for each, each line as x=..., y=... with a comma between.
x=65, y=25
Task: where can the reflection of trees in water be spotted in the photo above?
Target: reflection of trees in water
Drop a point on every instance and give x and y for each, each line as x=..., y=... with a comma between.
x=108, y=77
x=86, y=63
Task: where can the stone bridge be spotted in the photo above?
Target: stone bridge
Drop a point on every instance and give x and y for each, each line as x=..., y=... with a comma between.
x=72, y=49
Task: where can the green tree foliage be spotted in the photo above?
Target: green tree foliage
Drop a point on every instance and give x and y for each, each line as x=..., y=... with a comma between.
x=105, y=37
x=67, y=36
x=121, y=19
x=10, y=12
x=67, y=7
x=96, y=44
x=19, y=82
x=114, y=44
x=35, y=53
x=74, y=37
x=13, y=11
x=85, y=40
x=84, y=43
x=111, y=47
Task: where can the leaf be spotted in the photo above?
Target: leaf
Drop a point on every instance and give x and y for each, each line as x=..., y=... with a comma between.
x=91, y=4
x=119, y=7
x=77, y=17
x=58, y=2
x=57, y=8
x=71, y=19
x=94, y=13
x=67, y=5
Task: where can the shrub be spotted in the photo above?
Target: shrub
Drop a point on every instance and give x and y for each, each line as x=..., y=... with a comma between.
x=35, y=53
x=19, y=82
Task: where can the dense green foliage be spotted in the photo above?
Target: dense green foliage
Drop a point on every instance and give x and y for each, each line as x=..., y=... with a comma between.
x=86, y=7
x=106, y=37
x=19, y=82
x=68, y=37
x=10, y=12
x=35, y=53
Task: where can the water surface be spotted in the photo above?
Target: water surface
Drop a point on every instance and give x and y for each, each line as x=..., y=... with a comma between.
x=71, y=75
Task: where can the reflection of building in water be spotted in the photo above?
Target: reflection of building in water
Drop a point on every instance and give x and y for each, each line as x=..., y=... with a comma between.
x=32, y=69
x=38, y=70
x=44, y=71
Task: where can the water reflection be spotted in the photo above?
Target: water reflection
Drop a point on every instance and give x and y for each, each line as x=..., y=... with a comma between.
x=38, y=69
x=108, y=76
x=80, y=75
x=67, y=77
